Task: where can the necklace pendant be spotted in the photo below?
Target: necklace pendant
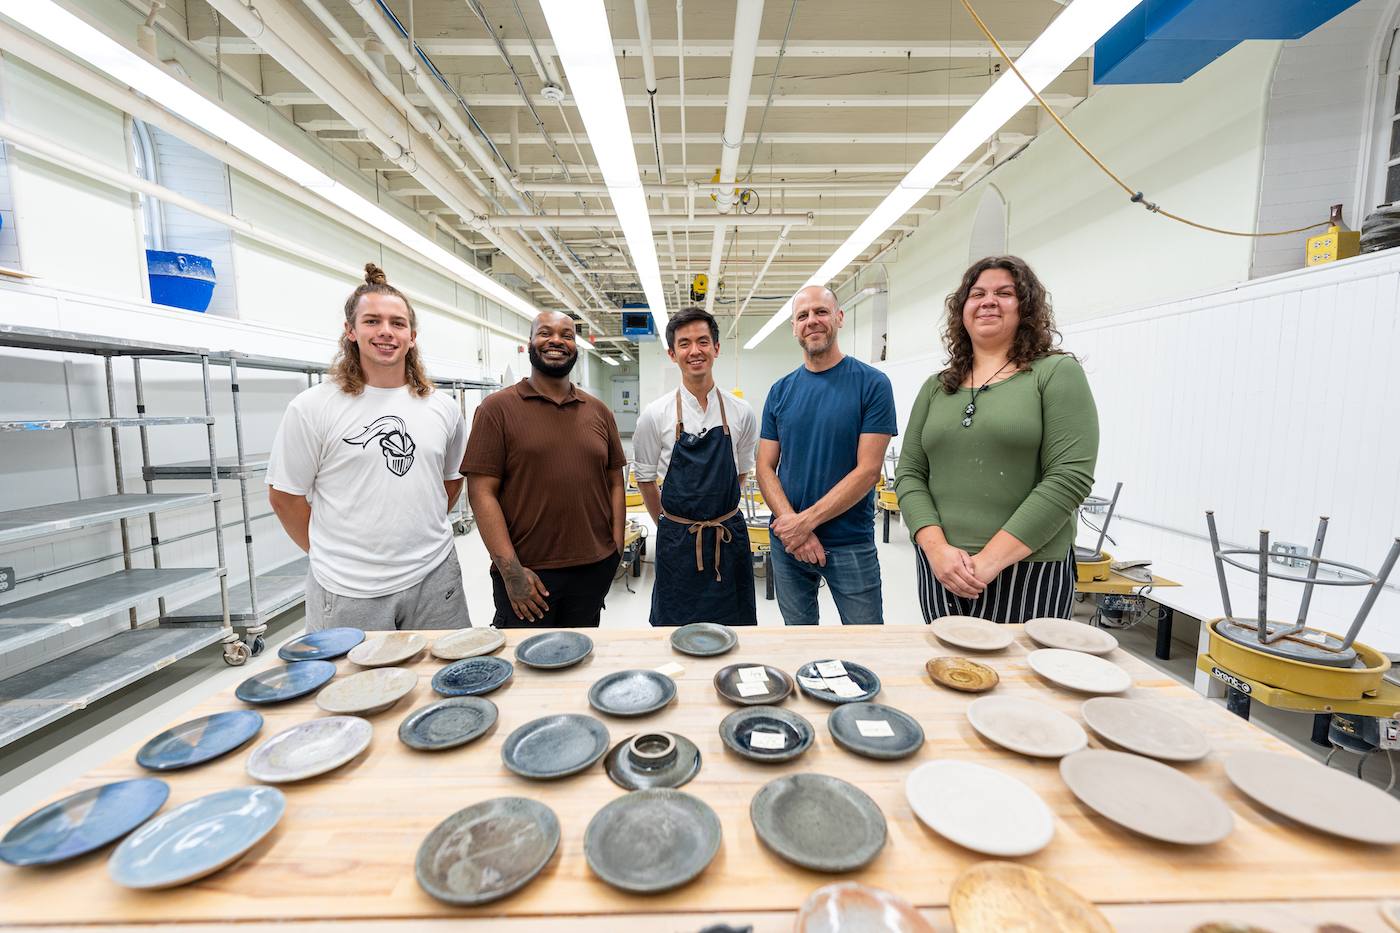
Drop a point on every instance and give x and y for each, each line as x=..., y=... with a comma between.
x=970, y=410
x=967, y=422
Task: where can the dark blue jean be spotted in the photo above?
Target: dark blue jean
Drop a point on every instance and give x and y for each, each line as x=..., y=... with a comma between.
x=852, y=572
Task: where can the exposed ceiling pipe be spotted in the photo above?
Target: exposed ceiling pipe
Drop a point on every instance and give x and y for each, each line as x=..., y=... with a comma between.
x=827, y=188
x=582, y=221
x=680, y=83
x=748, y=16
x=870, y=291
x=649, y=75
x=758, y=279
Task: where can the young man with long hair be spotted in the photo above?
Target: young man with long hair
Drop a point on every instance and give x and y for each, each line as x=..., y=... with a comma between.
x=364, y=471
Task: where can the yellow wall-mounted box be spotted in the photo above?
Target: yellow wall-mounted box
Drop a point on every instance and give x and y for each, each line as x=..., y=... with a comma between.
x=1333, y=245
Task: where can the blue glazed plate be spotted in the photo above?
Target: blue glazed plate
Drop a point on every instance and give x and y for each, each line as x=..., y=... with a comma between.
x=448, y=723
x=285, y=683
x=197, y=838
x=83, y=822
x=552, y=651
x=321, y=646
x=199, y=740
x=473, y=676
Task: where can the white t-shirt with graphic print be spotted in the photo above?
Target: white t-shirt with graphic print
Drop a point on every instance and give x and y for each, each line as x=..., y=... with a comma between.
x=372, y=465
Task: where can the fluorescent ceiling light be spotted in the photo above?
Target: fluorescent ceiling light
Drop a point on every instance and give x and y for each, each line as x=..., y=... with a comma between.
x=1077, y=28
x=585, y=46
x=607, y=359
x=72, y=34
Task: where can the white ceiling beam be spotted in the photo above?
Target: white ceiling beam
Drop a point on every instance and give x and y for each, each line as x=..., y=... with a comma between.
x=316, y=125
x=717, y=101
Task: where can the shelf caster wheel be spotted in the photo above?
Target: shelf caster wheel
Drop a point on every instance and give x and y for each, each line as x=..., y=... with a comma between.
x=259, y=644
x=236, y=654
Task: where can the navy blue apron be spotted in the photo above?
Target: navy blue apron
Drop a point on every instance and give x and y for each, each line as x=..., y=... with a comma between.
x=704, y=570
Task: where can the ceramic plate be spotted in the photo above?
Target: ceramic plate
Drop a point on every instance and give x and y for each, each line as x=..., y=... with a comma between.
x=752, y=684
x=875, y=731
x=1026, y=726
x=1070, y=635
x=367, y=692
x=487, y=851
x=818, y=822
x=704, y=639
x=196, y=839
x=1075, y=670
x=386, y=650
x=971, y=633
x=1322, y=798
x=321, y=646
x=979, y=808
x=554, y=650
x=833, y=681
x=996, y=896
x=555, y=746
x=83, y=822
x=766, y=733
x=1140, y=727
x=473, y=676
x=651, y=840
x=199, y=740
x=961, y=674
x=858, y=908
x=468, y=643
x=286, y=682
x=652, y=759
x=631, y=693
x=1115, y=784
x=447, y=723
x=309, y=748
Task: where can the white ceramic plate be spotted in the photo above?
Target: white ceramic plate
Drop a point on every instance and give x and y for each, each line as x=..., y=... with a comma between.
x=1322, y=798
x=979, y=808
x=468, y=643
x=1140, y=727
x=1054, y=633
x=309, y=749
x=1026, y=726
x=384, y=650
x=1147, y=797
x=1076, y=670
x=367, y=692
x=971, y=634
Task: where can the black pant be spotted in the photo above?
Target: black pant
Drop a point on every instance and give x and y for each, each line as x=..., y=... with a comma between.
x=575, y=597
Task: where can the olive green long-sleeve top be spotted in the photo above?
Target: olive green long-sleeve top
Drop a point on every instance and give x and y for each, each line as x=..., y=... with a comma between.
x=1024, y=465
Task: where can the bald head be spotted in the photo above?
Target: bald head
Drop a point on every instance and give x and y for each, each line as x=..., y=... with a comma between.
x=816, y=317
x=815, y=293
x=553, y=349
x=552, y=320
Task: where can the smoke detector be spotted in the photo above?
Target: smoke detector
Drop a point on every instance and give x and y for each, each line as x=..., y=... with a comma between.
x=553, y=93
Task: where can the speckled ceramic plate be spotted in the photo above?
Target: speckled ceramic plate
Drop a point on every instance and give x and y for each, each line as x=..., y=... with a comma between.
x=83, y=822
x=555, y=746
x=846, y=682
x=631, y=693
x=487, y=851
x=766, y=733
x=651, y=840
x=367, y=692
x=1075, y=670
x=704, y=639
x=321, y=646
x=448, y=723
x=875, y=731
x=979, y=808
x=1026, y=726
x=818, y=822
x=468, y=643
x=388, y=649
x=971, y=634
x=199, y=740
x=1070, y=635
x=752, y=684
x=652, y=759
x=1115, y=784
x=552, y=651
x=287, y=682
x=473, y=676
x=309, y=749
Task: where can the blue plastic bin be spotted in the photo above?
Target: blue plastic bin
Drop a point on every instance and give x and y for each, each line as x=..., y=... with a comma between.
x=180, y=280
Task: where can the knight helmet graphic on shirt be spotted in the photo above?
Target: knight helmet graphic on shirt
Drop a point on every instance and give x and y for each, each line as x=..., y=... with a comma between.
x=394, y=442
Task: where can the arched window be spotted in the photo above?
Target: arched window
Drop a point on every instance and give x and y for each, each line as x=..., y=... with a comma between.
x=143, y=160
x=988, y=226
x=1383, y=179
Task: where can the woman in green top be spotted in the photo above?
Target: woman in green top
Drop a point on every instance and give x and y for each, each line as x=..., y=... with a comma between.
x=999, y=454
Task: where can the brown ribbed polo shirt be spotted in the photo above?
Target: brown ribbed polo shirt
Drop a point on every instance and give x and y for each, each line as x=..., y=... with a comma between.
x=554, y=461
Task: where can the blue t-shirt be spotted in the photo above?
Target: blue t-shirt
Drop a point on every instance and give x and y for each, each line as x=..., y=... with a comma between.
x=817, y=420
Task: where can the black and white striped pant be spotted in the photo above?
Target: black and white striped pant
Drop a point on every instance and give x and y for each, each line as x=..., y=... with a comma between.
x=1028, y=589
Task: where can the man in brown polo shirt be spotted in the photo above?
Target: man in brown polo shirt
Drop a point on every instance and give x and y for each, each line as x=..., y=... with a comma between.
x=544, y=468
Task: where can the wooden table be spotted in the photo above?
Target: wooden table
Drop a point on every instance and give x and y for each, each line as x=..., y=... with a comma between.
x=346, y=846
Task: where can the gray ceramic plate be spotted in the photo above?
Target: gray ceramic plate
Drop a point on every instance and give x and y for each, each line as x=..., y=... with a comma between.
x=388, y=649
x=875, y=731
x=811, y=681
x=1316, y=796
x=197, y=838
x=739, y=683
x=555, y=746
x=468, y=643
x=551, y=651
x=818, y=822
x=447, y=723
x=704, y=639
x=1115, y=784
x=487, y=851
x=651, y=840
x=631, y=693
x=473, y=677
x=309, y=748
x=1071, y=635
x=1140, y=727
x=653, y=759
x=367, y=692
x=766, y=733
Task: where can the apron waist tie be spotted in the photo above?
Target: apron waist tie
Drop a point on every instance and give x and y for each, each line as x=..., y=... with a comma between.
x=722, y=536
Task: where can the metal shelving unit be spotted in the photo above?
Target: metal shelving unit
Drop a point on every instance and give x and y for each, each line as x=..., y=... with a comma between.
x=39, y=696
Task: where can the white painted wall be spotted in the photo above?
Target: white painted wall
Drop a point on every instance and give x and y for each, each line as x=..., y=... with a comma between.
x=185, y=169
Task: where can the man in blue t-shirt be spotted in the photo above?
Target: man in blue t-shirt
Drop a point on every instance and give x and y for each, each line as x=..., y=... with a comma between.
x=825, y=428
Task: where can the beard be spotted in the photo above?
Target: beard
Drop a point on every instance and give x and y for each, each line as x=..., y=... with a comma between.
x=552, y=370
x=821, y=342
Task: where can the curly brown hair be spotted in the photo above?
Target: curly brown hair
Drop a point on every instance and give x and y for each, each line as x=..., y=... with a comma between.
x=346, y=369
x=1036, y=335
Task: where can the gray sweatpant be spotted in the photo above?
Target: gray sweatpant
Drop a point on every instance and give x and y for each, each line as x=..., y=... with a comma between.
x=436, y=602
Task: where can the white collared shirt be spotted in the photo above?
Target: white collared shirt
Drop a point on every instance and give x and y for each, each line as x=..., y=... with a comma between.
x=655, y=434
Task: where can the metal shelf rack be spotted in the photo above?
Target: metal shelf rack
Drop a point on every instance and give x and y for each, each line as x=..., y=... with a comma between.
x=43, y=694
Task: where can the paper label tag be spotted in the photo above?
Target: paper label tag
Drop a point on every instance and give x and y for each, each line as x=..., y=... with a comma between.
x=670, y=670
x=753, y=674
x=874, y=728
x=814, y=683
x=751, y=690
x=831, y=669
x=844, y=687
x=770, y=740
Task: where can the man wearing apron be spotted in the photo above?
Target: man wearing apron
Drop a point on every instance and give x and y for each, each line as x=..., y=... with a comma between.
x=701, y=441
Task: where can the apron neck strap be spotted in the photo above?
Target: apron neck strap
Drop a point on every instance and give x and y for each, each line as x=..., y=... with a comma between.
x=680, y=418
